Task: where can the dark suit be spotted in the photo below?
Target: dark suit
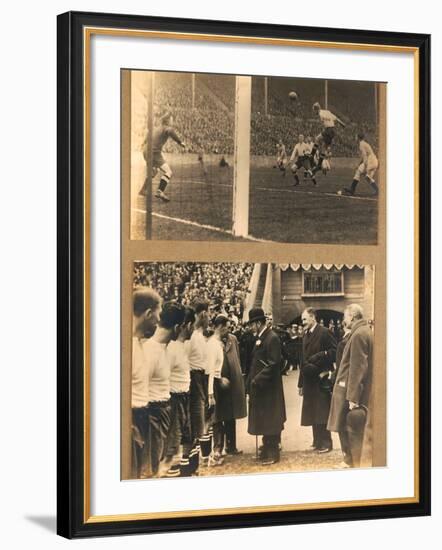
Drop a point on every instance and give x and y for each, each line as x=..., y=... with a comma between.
x=266, y=404
x=319, y=352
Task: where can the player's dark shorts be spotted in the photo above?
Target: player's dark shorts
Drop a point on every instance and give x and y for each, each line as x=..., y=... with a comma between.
x=179, y=429
x=327, y=135
x=303, y=162
x=157, y=157
x=140, y=442
x=159, y=422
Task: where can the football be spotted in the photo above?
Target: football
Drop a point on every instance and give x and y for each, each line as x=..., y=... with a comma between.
x=293, y=96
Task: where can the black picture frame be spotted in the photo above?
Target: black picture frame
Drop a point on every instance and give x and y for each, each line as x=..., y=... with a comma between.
x=72, y=520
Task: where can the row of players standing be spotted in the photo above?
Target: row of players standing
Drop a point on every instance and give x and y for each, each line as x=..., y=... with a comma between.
x=187, y=389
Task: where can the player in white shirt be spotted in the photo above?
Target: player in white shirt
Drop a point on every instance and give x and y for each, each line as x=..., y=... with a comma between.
x=366, y=168
x=299, y=157
x=155, y=351
x=220, y=384
x=281, y=156
x=179, y=429
x=324, y=140
x=146, y=311
x=200, y=400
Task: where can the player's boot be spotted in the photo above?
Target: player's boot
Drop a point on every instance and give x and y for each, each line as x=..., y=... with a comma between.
x=375, y=188
x=162, y=195
x=352, y=189
x=314, y=180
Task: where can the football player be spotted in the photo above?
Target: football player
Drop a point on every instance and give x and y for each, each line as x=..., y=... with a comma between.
x=325, y=138
x=366, y=168
x=160, y=136
x=281, y=156
x=299, y=157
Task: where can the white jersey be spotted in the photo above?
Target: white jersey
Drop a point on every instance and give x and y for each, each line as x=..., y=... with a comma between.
x=140, y=375
x=179, y=367
x=215, y=359
x=198, y=351
x=300, y=150
x=309, y=148
x=159, y=370
x=369, y=162
x=367, y=153
x=328, y=119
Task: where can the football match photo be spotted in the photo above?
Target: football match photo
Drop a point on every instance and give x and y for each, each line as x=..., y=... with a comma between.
x=255, y=158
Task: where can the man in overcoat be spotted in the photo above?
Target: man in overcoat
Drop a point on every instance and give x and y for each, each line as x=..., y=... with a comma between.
x=319, y=352
x=351, y=392
x=230, y=398
x=266, y=395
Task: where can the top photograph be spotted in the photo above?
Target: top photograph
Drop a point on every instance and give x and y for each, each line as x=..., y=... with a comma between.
x=217, y=157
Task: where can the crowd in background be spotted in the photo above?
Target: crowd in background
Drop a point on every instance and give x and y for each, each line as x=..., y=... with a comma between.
x=208, y=127
x=196, y=355
x=223, y=285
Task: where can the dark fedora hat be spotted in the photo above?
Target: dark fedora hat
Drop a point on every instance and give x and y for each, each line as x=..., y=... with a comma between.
x=256, y=314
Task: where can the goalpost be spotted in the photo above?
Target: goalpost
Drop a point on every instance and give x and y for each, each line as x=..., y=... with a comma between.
x=236, y=217
x=241, y=171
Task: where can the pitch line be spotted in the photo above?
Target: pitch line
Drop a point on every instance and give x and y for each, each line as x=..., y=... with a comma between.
x=335, y=195
x=201, y=225
x=295, y=191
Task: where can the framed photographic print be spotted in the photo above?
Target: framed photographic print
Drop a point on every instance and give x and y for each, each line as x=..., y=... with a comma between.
x=243, y=274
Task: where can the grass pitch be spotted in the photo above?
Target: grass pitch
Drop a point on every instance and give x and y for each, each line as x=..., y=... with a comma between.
x=201, y=205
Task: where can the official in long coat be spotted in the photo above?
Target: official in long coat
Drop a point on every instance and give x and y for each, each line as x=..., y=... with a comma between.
x=319, y=352
x=351, y=392
x=266, y=395
x=230, y=397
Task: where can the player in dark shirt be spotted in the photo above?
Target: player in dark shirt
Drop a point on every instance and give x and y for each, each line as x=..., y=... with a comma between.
x=159, y=138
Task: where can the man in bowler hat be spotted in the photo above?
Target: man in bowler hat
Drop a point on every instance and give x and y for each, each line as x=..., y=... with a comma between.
x=319, y=352
x=266, y=396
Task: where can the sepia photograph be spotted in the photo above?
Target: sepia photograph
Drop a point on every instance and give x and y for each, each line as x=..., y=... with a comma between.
x=226, y=289
x=242, y=368
x=254, y=158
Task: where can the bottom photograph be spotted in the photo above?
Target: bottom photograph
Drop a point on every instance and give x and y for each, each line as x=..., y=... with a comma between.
x=242, y=368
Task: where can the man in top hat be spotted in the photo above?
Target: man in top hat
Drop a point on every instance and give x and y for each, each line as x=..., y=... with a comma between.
x=266, y=396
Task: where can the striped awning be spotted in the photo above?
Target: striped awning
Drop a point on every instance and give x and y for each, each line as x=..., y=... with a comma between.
x=317, y=267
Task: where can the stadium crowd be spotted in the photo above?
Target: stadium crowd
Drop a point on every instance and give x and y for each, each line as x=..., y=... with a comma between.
x=208, y=127
x=223, y=285
x=196, y=357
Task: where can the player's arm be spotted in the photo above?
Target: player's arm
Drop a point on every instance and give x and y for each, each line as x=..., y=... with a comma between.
x=176, y=137
x=339, y=121
x=294, y=155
